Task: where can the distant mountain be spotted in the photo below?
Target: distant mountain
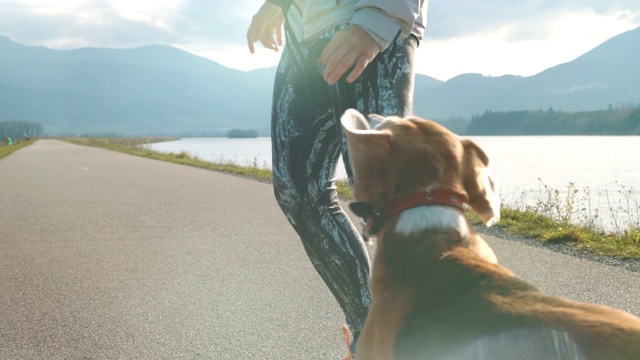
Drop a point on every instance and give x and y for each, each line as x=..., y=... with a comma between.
x=149, y=90
x=164, y=90
x=607, y=75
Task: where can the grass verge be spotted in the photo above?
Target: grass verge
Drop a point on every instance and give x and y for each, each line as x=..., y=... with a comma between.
x=7, y=150
x=132, y=146
x=623, y=245
x=532, y=222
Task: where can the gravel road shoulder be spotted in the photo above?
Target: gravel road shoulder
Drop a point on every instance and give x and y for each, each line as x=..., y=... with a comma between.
x=631, y=265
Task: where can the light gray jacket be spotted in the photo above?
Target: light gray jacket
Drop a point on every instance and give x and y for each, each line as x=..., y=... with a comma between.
x=384, y=20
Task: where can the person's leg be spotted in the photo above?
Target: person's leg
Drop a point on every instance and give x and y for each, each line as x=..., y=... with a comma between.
x=306, y=148
x=386, y=87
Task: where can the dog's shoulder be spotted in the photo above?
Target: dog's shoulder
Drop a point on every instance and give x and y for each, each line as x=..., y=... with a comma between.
x=466, y=266
x=462, y=304
x=479, y=305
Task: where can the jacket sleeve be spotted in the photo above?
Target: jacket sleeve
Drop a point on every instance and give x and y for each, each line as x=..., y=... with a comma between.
x=387, y=20
x=282, y=3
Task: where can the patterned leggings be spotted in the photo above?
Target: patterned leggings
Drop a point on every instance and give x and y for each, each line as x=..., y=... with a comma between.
x=307, y=143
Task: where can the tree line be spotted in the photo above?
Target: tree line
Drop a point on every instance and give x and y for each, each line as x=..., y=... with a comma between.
x=19, y=130
x=613, y=121
x=242, y=133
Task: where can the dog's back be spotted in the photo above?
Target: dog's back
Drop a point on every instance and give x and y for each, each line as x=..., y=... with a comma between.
x=482, y=311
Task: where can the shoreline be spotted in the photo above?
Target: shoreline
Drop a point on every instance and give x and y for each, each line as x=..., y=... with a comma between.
x=498, y=232
x=265, y=176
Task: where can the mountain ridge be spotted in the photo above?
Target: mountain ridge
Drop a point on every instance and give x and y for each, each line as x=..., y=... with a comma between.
x=160, y=89
x=609, y=74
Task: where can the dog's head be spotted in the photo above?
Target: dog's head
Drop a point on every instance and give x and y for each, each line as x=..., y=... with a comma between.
x=392, y=156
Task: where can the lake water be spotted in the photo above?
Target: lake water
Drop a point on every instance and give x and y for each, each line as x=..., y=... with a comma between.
x=604, y=169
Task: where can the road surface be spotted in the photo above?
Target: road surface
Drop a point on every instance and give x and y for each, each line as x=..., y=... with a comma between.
x=110, y=256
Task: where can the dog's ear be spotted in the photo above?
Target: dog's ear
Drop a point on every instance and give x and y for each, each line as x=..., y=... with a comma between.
x=368, y=151
x=375, y=120
x=480, y=187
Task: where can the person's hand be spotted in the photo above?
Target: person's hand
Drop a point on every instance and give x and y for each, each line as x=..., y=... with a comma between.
x=352, y=45
x=266, y=27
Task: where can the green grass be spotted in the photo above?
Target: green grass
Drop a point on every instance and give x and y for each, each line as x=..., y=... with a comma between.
x=549, y=220
x=567, y=218
x=624, y=245
x=131, y=146
x=7, y=150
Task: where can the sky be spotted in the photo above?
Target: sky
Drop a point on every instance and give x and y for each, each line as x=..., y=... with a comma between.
x=489, y=37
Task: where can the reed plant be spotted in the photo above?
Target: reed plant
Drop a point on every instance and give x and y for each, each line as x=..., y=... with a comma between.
x=553, y=216
x=569, y=217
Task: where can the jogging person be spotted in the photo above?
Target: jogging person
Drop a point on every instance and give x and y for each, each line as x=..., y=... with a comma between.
x=339, y=54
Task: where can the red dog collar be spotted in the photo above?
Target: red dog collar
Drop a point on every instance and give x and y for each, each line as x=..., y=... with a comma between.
x=375, y=218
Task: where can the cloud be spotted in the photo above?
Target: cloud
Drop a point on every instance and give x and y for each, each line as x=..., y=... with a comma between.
x=222, y=20
x=134, y=22
x=578, y=88
x=528, y=20
x=127, y=23
x=490, y=37
x=89, y=23
x=501, y=37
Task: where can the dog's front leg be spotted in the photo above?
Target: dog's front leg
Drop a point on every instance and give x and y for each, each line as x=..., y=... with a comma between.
x=387, y=313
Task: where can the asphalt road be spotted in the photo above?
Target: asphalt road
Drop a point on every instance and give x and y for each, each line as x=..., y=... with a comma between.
x=111, y=256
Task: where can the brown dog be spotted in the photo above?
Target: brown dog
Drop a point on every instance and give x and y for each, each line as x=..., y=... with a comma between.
x=437, y=292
